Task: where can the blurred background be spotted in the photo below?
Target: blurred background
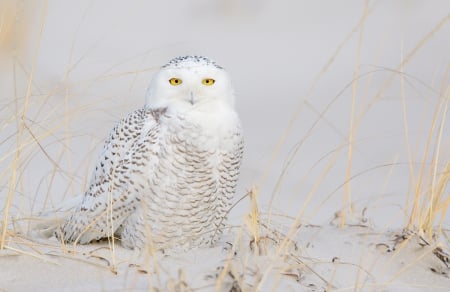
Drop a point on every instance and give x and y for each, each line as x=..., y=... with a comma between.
x=309, y=76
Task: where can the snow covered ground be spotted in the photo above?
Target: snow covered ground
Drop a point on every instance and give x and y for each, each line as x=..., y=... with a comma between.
x=310, y=76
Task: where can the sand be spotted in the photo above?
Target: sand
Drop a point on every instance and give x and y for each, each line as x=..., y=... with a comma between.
x=319, y=258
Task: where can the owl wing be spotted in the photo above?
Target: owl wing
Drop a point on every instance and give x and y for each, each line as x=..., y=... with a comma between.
x=117, y=180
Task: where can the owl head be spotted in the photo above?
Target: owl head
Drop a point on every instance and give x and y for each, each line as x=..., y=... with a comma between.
x=190, y=83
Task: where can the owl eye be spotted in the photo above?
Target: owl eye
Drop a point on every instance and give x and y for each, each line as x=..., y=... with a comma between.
x=175, y=81
x=208, y=81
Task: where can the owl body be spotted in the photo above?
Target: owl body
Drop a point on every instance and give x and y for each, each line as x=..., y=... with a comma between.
x=168, y=171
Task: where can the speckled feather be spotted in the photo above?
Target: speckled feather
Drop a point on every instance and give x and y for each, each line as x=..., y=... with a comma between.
x=166, y=175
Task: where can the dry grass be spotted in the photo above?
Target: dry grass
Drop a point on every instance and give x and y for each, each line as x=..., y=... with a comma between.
x=271, y=250
x=431, y=195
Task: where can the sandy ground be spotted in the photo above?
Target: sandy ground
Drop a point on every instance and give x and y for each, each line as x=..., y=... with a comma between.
x=74, y=68
x=320, y=258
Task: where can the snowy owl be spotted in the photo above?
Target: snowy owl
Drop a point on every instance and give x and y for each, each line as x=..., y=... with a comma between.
x=168, y=171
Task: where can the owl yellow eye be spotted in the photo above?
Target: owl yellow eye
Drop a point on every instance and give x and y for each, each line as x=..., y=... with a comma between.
x=175, y=81
x=208, y=81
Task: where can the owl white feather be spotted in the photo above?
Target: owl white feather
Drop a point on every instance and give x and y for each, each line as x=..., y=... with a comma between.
x=168, y=171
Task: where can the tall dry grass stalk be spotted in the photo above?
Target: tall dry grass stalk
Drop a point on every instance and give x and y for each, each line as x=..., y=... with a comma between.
x=422, y=212
x=347, y=197
x=21, y=132
x=252, y=220
x=431, y=197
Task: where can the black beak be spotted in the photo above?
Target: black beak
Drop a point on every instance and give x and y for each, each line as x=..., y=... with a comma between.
x=191, y=98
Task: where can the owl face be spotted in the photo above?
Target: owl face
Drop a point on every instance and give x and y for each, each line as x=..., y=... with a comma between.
x=190, y=83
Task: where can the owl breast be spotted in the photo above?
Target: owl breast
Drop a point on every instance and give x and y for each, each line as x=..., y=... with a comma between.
x=190, y=190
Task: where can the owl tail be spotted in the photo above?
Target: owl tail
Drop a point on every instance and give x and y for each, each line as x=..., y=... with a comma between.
x=46, y=223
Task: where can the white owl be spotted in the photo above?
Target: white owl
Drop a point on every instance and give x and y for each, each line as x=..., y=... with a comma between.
x=168, y=171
